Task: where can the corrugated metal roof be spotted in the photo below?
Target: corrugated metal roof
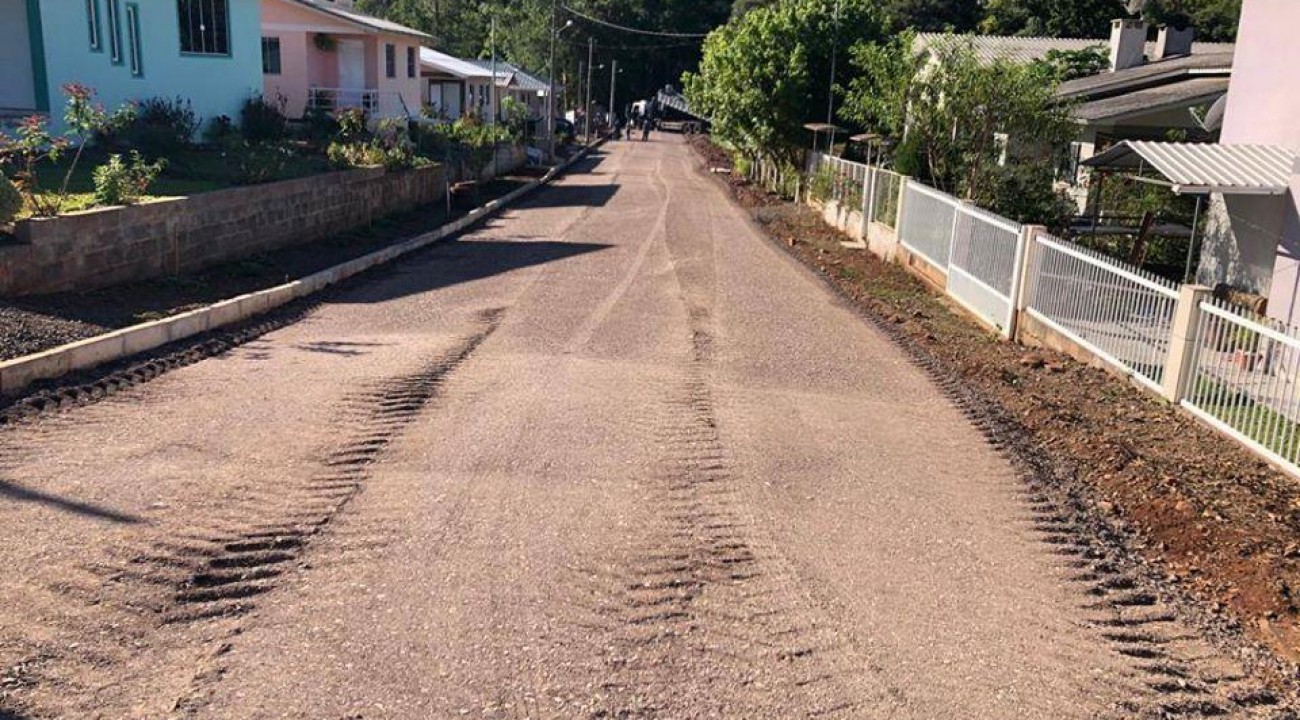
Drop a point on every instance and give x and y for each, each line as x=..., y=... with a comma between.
x=1027, y=49
x=367, y=21
x=1198, y=168
x=452, y=65
x=1185, y=93
x=516, y=77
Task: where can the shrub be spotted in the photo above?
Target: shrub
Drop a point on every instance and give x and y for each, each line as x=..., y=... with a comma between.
x=11, y=201
x=390, y=146
x=220, y=129
x=352, y=124
x=34, y=144
x=122, y=182
x=319, y=127
x=156, y=127
x=261, y=119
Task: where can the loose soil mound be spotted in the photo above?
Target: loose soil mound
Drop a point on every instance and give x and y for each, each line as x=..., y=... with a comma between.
x=1221, y=525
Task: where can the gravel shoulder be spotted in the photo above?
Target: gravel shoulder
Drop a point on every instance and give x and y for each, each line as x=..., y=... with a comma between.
x=33, y=324
x=1211, y=521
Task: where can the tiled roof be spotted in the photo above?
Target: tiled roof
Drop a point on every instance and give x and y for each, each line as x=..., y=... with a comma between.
x=1160, y=72
x=1186, y=93
x=1028, y=49
x=519, y=78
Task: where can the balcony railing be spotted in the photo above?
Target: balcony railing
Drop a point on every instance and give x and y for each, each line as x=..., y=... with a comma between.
x=376, y=103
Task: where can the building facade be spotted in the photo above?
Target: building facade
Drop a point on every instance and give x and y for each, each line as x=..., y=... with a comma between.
x=203, y=51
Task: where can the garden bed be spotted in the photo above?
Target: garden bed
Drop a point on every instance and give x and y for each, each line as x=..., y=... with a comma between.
x=33, y=324
x=1217, y=523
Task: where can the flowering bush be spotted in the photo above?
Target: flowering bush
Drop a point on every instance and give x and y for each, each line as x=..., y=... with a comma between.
x=35, y=143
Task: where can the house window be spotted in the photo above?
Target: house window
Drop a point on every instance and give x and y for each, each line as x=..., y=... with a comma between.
x=390, y=60
x=410, y=62
x=205, y=26
x=115, y=31
x=270, y=56
x=92, y=19
x=133, y=39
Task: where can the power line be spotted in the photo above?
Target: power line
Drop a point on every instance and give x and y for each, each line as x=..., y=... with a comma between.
x=580, y=44
x=635, y=31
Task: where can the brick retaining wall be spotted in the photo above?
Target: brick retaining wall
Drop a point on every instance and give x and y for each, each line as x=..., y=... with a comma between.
x=108, y=246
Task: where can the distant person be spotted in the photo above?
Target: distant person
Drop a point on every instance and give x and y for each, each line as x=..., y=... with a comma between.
x=647, y=124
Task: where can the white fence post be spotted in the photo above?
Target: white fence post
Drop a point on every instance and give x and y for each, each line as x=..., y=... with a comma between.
x=868, y=207
x=1021, y=281
x=1182, y=342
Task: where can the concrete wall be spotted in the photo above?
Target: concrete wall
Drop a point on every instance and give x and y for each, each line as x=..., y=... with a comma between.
x=1263, y=107
x=114, y=245
x=215, y=84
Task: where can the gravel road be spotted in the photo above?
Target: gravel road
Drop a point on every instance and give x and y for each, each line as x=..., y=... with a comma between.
x=612, y=456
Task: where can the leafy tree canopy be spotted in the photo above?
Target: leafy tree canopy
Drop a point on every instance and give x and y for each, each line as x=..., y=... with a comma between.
x=768, y=72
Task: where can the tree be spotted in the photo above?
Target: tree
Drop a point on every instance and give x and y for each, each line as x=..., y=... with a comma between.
x=1053, y=18
x=953, y=117
x=1213, y=20
x=934, y=15
x=766, y=73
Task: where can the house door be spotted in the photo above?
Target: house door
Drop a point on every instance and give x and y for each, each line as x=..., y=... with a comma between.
x=352, y=72
x=18, y=90
x=451, y=100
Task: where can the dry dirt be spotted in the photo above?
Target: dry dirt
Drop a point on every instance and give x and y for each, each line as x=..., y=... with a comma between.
x=1212, y=518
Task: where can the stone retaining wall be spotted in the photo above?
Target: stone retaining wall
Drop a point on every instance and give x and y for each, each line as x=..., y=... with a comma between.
x=107, y=246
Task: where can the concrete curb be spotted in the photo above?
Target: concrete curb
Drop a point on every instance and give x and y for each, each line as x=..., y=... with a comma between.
x=18, y=373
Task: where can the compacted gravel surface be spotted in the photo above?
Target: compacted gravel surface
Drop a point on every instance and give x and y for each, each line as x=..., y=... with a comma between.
x=614, y=455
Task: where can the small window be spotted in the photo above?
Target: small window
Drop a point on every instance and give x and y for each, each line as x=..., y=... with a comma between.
x=205, y=26
x=410, y=62
x=115, y=31
x=270, y=56
x=92, y=19
x=390, y=60
x=133, y=39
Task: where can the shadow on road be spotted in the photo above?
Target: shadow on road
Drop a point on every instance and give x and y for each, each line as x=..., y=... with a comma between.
x=559, y=196
x=18, y=493
x=459, y=262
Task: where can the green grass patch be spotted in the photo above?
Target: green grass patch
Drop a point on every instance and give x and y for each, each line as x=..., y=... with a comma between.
x=1259, y=422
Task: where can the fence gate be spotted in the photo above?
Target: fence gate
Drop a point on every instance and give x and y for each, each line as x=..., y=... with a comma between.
x=984, y=264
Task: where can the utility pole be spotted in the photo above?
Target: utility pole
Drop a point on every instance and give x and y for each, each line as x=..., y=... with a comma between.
x=591, y=53
x=835, y=47
x=613, y=77
x=550, y=93
x=492, y=89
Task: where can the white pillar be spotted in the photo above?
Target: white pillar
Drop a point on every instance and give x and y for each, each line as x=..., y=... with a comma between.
x=1182, y=342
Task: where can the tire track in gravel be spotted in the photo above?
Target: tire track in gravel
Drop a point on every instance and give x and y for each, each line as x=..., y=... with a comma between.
x=1179, y=672
x=216, y=567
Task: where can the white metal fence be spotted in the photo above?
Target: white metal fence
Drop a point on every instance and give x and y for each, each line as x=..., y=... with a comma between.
x=1121, y=313
x=1242, y=380
x=926, y=227
x=984, y=264
x=1237, y=371
x=885, y=188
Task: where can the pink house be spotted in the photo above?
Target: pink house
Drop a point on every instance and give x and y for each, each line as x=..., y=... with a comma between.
x=324, y=55
x=1255, y=239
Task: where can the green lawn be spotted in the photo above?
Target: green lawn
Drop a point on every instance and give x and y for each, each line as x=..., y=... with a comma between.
x=1258, y=422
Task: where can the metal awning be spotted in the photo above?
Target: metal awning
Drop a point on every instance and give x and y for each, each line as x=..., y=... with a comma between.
x=1200, y=168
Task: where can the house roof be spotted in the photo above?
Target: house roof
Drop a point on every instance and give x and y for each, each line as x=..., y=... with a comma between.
x=1198, y=168
x=1027, y=49
x=1185, y=94
x=1160, y=72
x=452, y=65
x=368, y=22
x=516, y=77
